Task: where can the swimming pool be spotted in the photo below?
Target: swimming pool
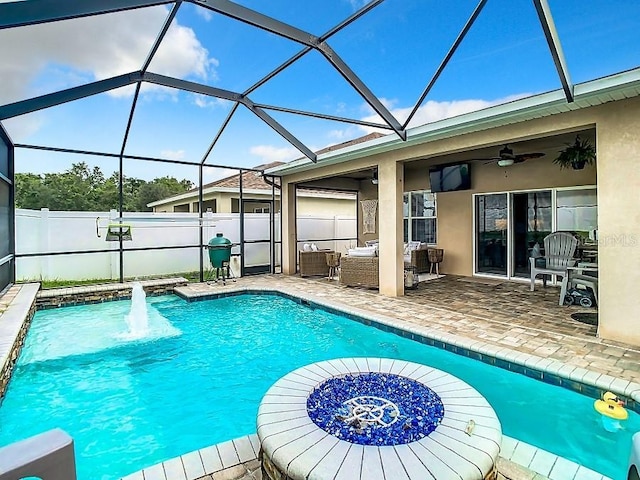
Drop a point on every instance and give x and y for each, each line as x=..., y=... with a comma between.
x=199, y=377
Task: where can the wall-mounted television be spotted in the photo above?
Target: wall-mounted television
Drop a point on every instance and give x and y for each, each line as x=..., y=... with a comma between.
x=449, y=178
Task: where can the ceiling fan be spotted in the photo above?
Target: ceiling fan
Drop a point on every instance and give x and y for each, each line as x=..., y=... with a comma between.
x=506, y=157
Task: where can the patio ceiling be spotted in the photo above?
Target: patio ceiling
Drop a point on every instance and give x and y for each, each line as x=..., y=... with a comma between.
x=29, y=14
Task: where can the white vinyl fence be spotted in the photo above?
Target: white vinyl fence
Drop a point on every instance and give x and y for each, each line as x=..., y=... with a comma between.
x=44, y=231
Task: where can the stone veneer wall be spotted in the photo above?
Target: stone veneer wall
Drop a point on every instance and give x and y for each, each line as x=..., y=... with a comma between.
x=14, y=351
x=63, y=297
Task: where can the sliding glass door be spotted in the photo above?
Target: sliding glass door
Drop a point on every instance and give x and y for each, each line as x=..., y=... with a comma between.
x=492, y=233
x=532, y=216
x=509, y=224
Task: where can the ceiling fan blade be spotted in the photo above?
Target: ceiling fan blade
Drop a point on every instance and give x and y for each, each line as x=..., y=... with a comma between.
x=485, y=160
x=527, y=156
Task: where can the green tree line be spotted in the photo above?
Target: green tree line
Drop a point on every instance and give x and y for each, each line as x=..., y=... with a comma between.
x=81, y=188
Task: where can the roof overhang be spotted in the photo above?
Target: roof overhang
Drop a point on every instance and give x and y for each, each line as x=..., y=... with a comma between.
x=596, y=92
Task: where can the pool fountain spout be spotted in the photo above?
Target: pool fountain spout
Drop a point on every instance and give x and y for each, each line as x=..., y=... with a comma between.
x=138, y=318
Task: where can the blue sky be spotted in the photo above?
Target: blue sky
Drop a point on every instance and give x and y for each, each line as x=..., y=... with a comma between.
x=395, y=49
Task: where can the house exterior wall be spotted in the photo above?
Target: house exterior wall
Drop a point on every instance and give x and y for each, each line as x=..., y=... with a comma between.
x=618, y=146
x=335, y=206
x=224, y=204
x=618, y=180
x=455, y=209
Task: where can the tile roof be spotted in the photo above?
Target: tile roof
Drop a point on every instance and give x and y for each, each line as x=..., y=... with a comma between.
x=253, y=180
x=250, y=180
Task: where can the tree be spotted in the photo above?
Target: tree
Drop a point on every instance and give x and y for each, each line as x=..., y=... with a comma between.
x=158, y=189
x=28, y=190
x=83, y=189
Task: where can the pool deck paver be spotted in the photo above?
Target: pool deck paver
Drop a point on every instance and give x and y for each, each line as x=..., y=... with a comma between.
x=546, y=330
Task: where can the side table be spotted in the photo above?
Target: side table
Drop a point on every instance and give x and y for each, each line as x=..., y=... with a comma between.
x=314, y=263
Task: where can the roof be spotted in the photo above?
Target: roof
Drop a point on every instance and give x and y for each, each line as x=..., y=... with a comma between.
x=253, y=180
x=349, y=143
x=595, y=92
x=250, y=180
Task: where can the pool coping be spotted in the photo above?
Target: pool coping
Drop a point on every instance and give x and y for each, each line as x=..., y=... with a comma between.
x=554, y=372
x=538, y=464
x=14, y=324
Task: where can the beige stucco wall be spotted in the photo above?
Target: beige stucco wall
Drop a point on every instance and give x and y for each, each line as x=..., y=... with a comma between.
x=617, y=127
x=618, y=144
x=306, y=205
x=455, y=209
x=326, y=206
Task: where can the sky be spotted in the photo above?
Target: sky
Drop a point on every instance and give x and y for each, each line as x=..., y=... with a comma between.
x=395, y=49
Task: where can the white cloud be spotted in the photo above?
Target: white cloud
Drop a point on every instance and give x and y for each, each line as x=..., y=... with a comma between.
x=98, y=47
x=211, y=174
x=204, y=101
x=358, y=4
x=431, y=111
x=269, y=153
x=204, y=13
x=20, y=128
x=343, y=134
x=173, y=154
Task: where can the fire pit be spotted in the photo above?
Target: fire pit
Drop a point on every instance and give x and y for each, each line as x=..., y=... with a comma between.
x=372, y=418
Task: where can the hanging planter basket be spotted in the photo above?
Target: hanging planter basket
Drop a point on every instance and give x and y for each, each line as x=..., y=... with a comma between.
x=577, y=155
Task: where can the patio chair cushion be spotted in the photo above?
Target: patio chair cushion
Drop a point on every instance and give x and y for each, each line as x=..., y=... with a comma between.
x=363, y=251
x=408, y=247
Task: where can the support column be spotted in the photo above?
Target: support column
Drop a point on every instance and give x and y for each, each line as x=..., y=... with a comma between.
x=288, y=213
x=618, y=150
x=390, y=226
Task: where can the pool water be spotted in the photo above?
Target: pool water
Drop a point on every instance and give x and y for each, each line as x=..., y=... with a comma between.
x=198, y=380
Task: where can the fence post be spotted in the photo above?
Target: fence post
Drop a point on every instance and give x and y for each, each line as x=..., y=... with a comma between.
x=44, y=243
x=114, y=257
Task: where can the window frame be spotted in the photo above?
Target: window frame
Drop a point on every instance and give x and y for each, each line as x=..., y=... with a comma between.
x=409, y=217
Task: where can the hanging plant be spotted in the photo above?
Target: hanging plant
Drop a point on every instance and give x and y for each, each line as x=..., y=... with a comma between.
x=577, y=155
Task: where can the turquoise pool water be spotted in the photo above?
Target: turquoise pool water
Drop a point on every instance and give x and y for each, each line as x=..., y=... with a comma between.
x=199, y=377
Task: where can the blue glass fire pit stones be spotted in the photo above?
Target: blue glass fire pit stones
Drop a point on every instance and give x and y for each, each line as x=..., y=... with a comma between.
x=375, y=408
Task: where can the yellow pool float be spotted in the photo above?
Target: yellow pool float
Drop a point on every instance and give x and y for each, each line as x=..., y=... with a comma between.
x=611, y=406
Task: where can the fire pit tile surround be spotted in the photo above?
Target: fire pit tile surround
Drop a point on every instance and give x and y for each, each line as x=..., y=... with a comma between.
x=293, y=447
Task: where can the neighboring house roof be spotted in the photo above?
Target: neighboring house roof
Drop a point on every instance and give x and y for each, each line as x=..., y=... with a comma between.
x=253, y=181
x=595, y=92
x=250, y=180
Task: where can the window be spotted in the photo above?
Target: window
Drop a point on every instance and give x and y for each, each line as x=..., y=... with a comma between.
x=261, y=210
x=420, y=216
x=577, y=211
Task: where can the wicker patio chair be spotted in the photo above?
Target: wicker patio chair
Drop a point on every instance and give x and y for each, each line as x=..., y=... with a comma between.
x=420, y=260
x=359, y=272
